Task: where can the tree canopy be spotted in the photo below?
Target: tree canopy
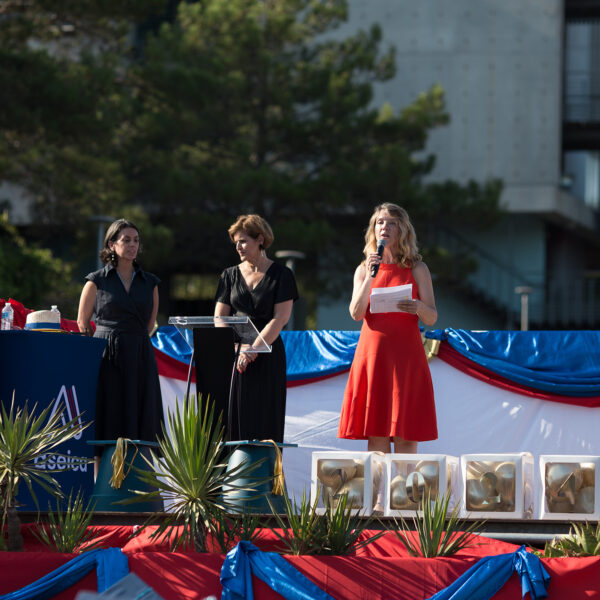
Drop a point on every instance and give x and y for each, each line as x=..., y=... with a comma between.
x=215, y=108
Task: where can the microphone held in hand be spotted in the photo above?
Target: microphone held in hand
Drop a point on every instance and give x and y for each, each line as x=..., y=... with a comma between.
x=380, y=247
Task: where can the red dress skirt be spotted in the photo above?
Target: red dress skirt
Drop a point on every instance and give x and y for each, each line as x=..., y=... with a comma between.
x=389, y=391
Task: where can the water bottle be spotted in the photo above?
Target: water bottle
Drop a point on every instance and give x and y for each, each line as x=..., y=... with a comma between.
x=54, y=310
x=8, y=315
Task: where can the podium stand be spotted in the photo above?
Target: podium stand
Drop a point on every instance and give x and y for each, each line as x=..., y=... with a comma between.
x=216, y=344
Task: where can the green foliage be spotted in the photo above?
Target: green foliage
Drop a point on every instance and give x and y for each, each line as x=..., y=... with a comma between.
x=68, y=529
x=438, y=533
x=302, y=528
x=227, y=530
x=27, y=444
x=335, y=532
x=583, y=540
x=345, y=527
x=189, y=473
x=218, y=108
x=31, y=274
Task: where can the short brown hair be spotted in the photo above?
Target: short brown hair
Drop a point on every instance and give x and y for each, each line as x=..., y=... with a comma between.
x=253, y=225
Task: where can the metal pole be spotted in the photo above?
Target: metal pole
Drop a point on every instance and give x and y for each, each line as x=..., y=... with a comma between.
x=524, y=291
x=102, y=220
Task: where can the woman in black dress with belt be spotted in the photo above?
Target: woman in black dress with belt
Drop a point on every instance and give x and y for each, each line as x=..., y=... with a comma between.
x=265, y=291
x=124, y=299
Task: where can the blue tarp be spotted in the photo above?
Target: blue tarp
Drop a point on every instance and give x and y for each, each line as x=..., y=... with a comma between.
x=486, y=577
x=111, y=566
x=561, y=362
x=246, y=560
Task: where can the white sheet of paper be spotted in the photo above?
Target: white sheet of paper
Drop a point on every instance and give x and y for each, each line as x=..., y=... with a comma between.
x=386, y=299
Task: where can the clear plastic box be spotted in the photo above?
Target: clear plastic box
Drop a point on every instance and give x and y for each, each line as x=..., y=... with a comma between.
x=411, y=476
x=360, y=474
x=497, y=486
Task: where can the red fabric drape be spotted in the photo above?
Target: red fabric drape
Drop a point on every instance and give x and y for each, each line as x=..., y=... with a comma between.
x=382, y=571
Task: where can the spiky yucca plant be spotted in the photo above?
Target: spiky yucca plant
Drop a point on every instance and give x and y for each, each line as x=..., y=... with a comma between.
x=582, y=540
x=188, y=471
x=227, y=530
x=68, y=530
x=438, y=533
x=27, y=444
x=335, y=532
x=303, y=530
x=344, y=526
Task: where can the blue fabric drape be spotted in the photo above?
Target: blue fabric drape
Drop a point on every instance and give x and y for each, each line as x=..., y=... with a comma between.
x=246, y=560
x=318, y=353
x=562, y=362
x=111, y=566
x=486, y=577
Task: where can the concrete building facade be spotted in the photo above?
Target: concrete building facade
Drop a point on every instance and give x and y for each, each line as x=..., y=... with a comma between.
x=508, y=69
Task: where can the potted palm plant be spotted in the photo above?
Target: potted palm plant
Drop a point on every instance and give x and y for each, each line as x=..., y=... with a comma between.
x=27, y=443
x=189, y=471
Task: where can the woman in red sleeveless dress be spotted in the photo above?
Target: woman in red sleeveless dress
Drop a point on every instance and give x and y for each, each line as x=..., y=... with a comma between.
x=389, y=395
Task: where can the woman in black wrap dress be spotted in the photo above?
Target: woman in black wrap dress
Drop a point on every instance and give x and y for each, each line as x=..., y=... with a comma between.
x=124, y=299
x=265, y=291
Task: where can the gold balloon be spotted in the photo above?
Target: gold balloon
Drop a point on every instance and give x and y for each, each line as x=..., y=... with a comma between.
x=360, y=468
x=327, y=494
x=398, y=498
x=559, y=505
x=482, y=493
x=563, y=480
x=506, y=481
x=431, y=473
x=354, y=488
x=584, y=502
x=415, y=486
x=335, y=472
x=588, y=472
x=476, y=495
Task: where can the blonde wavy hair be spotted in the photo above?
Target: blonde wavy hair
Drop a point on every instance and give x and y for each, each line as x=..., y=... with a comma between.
x=253, y=225
x=405, y=250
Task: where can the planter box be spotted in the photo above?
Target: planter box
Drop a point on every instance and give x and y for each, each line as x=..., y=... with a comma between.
x=361, y=474
x=410, y=476
x=497, y=486
x=569, y=487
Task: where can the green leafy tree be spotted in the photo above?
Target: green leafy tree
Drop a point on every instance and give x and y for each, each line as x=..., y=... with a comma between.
x=258, y=105
x=198, y=111
x=31, y=274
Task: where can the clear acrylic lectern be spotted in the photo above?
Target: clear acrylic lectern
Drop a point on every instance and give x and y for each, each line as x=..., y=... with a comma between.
x=216, y=344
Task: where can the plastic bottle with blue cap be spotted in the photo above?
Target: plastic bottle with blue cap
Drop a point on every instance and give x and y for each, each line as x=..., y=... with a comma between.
x=8, y=315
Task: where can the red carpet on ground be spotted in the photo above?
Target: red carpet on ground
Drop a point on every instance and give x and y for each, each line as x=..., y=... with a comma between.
x=382, y=571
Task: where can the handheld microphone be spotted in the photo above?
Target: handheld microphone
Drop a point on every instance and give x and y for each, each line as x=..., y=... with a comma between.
x=380, y=247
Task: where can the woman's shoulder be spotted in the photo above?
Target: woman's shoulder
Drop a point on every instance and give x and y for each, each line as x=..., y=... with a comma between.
x=151, y=277
x=96, y=276
x=230, y=272
x=420, y=270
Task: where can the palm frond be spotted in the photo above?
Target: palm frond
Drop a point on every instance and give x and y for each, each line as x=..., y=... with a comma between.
x=304, y=530
x=344, y=527
x=68, y=530
x=28, y=442
x=437, y=533
x=189, y=472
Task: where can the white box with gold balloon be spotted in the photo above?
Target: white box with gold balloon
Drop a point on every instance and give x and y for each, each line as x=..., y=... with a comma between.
x=568, y=484
x=410, y=477
x=359, y=474
x=497, y=486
